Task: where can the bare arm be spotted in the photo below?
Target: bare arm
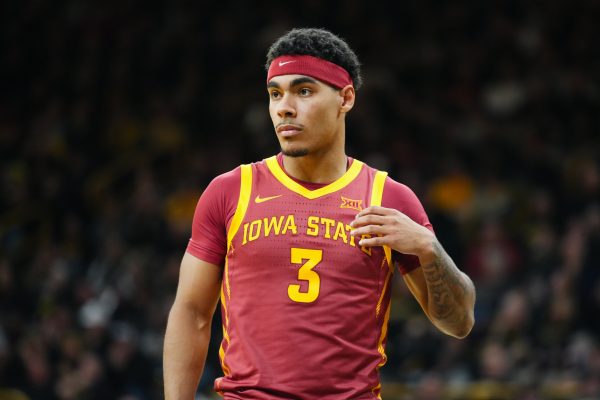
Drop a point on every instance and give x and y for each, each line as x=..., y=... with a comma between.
x=445, y=293
x=188, y=328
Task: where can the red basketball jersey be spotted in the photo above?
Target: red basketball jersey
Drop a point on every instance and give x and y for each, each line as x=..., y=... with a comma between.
x=305, y=308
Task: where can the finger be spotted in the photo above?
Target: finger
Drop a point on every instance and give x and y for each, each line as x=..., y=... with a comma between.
x=374, y=241
x=369, y=219
x=377, y=210
x=370, y=230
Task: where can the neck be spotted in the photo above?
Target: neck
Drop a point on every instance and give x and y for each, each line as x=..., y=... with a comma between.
x=317, y=168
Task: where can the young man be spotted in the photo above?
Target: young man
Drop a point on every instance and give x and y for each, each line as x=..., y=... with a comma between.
x=301, y=247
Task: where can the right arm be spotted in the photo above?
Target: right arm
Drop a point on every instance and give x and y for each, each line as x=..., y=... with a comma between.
x=188, y=327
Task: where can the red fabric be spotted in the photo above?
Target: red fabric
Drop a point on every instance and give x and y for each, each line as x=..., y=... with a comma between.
x=317, y=68
x=402, y=198
x=213, y=215
x=336, y=334
x=217, y=205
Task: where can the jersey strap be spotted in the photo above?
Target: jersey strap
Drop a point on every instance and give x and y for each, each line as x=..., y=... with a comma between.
x=376, y=196
x=242, y=205
x=236, y=221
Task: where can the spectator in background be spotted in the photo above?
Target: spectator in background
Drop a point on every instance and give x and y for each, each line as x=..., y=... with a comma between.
x=104, y=103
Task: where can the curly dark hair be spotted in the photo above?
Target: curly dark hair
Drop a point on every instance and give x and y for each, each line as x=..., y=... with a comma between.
x=317, y=43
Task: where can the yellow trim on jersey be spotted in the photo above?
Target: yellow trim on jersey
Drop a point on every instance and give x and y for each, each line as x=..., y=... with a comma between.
x=294, y=186
x=385, y=285
x=378, y=390
x=242, y=205
x=236, y=221
x=384, y=329
x=376, y=196
x=240, y=212
x=225, y=368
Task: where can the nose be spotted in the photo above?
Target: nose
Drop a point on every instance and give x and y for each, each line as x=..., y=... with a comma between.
x=285, y=107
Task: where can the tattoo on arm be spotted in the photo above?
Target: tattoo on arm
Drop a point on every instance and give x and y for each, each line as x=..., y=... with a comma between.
x=449, y=290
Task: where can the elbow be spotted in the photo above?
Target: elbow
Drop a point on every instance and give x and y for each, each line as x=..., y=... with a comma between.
x=458, y=327
x=458, y=330
x=188, y=313
x=462, y=331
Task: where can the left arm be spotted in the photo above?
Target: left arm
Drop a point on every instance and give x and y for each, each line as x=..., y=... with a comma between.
x=446, y=294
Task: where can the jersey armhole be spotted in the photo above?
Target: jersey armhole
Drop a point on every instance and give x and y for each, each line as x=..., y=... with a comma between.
x=376, y=196
x=242, y=205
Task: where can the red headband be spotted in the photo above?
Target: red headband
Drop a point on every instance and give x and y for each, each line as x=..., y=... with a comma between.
x=317, y=68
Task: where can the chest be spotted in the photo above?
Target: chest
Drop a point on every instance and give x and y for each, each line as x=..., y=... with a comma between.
x=302, y=247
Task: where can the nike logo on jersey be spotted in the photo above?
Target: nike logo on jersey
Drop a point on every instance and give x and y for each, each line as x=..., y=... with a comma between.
x=282, y=63
x=259, y=199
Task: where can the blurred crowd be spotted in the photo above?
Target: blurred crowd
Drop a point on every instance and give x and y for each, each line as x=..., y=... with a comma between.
x=115, y=115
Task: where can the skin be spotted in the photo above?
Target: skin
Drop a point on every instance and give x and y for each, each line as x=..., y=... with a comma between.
x=446, y=295
x=309, y=120
x=188, y=328
x=317, y=113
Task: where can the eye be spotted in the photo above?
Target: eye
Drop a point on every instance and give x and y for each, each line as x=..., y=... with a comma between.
x=274, y=94
x=305, y=92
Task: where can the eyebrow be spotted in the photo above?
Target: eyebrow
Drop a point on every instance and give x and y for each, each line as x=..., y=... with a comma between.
x=295, y=82
x=304, y=79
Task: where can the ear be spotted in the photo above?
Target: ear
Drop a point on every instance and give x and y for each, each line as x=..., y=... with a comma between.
x=347, y=97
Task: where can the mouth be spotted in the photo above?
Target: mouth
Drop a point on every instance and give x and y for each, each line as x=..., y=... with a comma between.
x=288, y=130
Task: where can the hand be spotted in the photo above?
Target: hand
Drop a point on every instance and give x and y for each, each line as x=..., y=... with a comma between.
x=390, y=227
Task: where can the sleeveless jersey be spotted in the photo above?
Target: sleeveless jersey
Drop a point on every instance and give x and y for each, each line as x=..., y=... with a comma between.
x=305, y=308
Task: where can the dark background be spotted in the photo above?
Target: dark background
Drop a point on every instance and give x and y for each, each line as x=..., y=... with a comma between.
x=115, y=115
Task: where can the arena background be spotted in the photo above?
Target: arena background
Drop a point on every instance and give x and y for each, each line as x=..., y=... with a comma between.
x=115, y=115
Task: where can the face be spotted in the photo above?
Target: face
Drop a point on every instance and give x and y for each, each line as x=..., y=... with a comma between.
x=307, y=114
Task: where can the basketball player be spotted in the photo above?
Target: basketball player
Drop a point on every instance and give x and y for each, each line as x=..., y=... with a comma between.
x=301, y=247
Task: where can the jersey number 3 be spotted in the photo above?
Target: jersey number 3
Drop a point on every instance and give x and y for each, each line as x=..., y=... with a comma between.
x=308, y=258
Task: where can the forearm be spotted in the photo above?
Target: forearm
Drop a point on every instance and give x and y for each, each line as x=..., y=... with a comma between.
x=185, y=348
x=451, y=294
x=445, y=293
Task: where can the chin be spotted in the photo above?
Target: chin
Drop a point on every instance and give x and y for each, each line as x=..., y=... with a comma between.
x=295, y=152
